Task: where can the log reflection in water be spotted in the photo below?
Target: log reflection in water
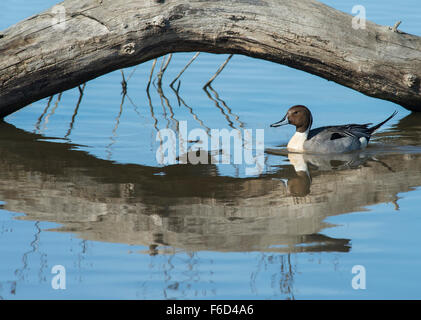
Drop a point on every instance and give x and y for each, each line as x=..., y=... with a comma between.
x=193, y=208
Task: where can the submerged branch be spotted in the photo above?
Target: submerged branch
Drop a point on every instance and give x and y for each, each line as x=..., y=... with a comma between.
x=185, y=68
x=167, y=103
x=38, y=124
x=150, y=76
x=123, y=84
x=155, y=124
x=53, y=111
x=207, y=84
x=114, y=132
x=164, y=66
x=79, y=101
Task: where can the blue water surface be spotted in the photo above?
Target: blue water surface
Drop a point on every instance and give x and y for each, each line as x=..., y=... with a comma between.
x=84, y=190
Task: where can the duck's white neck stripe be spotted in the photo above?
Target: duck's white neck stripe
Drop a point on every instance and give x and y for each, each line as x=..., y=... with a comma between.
x=297, y=141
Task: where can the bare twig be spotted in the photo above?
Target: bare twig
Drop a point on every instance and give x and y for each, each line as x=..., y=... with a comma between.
x=81, y=90
x=123, y=84
x=38, y=124
x=177, y=91
x=52, y=111
x=167, y=102
x=164, y=66
x=159, y=74
x=114, y=133
x=150, y=76
x=124, y=95
x=184, y=69
x=131, y=74
x=218, y=72
x=172, y=117
x=152, y=112
x=396, y=26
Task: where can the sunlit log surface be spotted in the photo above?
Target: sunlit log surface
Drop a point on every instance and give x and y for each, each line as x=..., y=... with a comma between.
x=191, y=207
x=41, y=57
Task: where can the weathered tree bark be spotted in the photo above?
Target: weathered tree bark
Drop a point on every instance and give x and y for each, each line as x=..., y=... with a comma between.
x=39, y=58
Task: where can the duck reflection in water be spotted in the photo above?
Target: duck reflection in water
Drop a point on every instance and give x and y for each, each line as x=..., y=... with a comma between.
x=195, y=207
x=300, y=184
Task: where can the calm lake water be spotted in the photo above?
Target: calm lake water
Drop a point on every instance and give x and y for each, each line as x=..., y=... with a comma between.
x=80, y=187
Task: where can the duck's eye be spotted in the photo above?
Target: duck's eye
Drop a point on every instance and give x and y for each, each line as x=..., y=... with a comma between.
x=295, y=112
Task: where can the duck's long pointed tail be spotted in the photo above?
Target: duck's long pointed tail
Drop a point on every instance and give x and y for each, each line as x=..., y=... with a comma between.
x=377, y=126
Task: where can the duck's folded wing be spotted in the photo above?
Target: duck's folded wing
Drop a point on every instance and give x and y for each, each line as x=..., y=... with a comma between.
x=343, y=131
x=350, y=130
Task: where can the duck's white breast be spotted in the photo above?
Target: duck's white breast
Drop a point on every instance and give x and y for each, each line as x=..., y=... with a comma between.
x=297, y=141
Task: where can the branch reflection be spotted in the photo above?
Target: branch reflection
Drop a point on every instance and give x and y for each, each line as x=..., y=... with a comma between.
x=191, y=207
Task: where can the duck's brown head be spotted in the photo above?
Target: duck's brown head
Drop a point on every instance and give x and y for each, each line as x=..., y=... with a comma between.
x=299, y=116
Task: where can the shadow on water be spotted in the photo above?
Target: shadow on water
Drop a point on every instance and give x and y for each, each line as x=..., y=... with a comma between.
x=192, y=207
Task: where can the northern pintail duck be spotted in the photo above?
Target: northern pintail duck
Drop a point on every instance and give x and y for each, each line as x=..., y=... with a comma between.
x=330, y=139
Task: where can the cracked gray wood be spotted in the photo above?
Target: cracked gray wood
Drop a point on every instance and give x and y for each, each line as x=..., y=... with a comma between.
x=40, y=58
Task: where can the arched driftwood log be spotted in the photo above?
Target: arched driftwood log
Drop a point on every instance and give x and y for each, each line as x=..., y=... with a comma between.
x=52, y=52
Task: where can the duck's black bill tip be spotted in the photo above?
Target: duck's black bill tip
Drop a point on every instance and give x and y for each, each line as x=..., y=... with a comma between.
x=280, y=123
x=275, y=125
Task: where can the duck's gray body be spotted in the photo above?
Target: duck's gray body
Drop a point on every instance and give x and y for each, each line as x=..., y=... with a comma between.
x=326, y=140
x=337, y=139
